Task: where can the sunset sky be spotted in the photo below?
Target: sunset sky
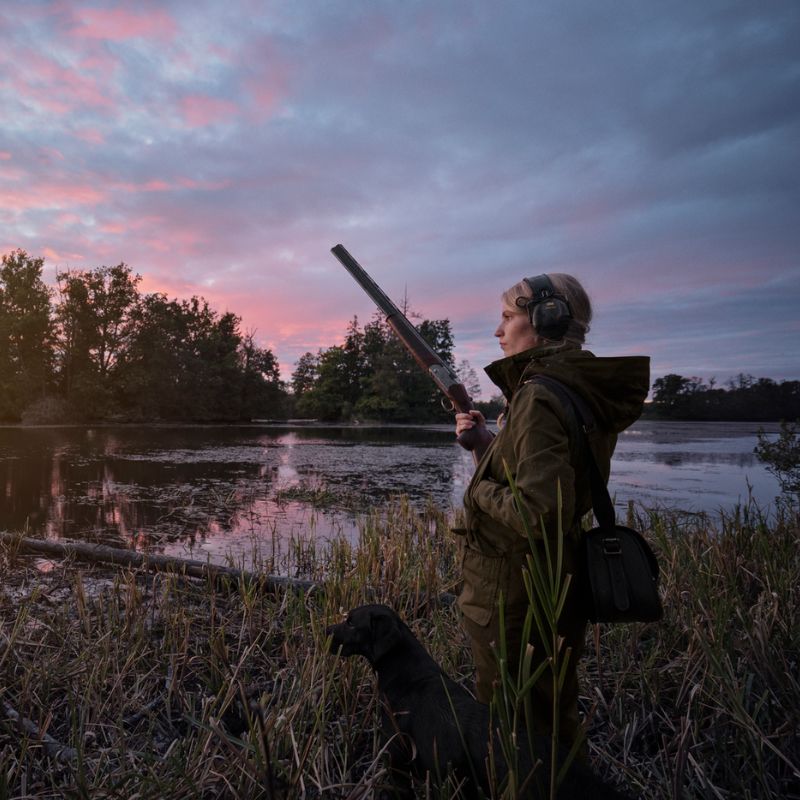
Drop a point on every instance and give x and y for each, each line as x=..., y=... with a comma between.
x=652, y=149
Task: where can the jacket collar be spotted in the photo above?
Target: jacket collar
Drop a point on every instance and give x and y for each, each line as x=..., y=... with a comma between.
x=507, y=373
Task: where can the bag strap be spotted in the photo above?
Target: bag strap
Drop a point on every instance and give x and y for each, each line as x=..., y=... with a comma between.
x=608, y=540
x=601, y=499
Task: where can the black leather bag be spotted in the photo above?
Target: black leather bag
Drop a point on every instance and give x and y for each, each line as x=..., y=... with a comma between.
x=622, y=576
x=620, y=569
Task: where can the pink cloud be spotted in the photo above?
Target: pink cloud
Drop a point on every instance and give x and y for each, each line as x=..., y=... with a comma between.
x=156, y=185
x=5, y=155
x=54, y=255
x=161, y=185
x=266, y=96
x=268, y=77
x=35, y=80
x=67, y=218
x=206, y=186
x=151, y=284
x=201, y=110
x=98, y=59
x=168, y=243
x=173, y=286
x=13, y=172
x=49, y=155
x=114, y=227
x=91, y=136
x=49, y=195
x=119, y=24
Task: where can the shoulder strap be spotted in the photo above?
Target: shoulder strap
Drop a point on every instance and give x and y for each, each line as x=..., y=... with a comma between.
x=571, y=400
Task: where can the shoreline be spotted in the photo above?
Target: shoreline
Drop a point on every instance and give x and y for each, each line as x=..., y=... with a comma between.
x=310, y=423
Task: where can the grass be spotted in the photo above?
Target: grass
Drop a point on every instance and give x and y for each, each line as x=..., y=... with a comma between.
x=164, y=687
x=322, y=497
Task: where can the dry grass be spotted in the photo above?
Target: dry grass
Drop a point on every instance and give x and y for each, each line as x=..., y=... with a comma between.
x=160, y=687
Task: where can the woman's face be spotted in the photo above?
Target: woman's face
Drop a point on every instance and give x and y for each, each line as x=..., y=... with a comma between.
x=515, y=332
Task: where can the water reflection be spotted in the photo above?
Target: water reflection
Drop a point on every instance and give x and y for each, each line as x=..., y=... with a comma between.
x=678, y=458
x=211, y=491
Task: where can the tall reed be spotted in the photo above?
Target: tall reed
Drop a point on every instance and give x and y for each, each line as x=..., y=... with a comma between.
x=546, y=585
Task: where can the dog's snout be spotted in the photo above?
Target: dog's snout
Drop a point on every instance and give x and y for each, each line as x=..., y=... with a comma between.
x=331, y=633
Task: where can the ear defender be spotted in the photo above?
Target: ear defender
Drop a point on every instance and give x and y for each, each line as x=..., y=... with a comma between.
x=549, y=312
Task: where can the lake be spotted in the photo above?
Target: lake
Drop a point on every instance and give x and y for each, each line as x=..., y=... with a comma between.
x=212, y=492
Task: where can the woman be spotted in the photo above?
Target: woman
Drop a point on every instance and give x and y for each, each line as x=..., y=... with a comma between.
x=543, y=326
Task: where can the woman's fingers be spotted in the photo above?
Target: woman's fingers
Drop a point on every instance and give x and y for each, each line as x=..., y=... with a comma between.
x=467, y=421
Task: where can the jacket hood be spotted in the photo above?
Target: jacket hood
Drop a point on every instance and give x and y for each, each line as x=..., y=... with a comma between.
x=614, y=388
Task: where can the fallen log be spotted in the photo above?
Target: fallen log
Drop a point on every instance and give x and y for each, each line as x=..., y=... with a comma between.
x=100, y=553
x=30, y=729
x=53, y=748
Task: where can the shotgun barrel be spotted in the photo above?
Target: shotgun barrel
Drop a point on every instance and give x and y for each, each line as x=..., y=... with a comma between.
x=476, y=439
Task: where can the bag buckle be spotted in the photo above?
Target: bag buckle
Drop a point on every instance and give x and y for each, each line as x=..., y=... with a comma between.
x=612, y=546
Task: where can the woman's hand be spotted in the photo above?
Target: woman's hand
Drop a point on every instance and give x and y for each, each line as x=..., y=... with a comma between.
x=465, y=422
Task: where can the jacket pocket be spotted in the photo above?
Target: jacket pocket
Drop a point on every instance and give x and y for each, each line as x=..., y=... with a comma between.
x=481, y=575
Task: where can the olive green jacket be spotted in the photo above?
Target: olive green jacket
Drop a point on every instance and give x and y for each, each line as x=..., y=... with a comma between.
x=539, y=442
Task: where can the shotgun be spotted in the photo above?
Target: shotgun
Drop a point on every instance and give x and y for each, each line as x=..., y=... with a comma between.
x=476, y=439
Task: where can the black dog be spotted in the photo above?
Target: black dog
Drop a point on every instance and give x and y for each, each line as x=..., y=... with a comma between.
x=447, y=728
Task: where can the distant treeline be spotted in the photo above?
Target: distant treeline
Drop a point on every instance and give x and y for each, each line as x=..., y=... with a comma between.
x=97, y=349
x=371, y=376
x=745, y=398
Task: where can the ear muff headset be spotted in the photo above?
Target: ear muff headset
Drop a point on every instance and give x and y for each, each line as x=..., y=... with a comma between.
x=549, y=312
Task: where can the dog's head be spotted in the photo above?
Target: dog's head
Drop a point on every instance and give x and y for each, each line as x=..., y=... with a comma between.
x=370, y=631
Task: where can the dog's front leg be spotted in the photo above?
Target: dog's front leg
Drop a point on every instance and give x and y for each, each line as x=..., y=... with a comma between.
x=400, y=753
x=399, y=788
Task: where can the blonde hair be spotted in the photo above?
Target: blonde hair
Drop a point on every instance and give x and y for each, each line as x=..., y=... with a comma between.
x=570, y=288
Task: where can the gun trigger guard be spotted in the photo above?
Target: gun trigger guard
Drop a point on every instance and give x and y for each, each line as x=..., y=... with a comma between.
x=447, y=404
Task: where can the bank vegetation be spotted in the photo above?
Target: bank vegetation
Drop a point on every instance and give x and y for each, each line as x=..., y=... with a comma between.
x=127, y=684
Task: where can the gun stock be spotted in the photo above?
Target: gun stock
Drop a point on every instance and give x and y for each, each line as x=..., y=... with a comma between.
x=476, y=439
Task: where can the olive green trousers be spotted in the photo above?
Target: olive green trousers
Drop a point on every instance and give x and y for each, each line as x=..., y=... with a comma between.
x=484, y=639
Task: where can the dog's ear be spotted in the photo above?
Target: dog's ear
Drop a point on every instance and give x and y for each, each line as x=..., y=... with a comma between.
x=386, y=633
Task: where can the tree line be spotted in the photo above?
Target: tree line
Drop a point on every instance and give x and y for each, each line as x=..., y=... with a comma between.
x=97, y=348
x=744, y=398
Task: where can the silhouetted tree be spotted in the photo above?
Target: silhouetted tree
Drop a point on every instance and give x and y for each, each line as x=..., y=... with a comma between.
x=493, y=407
x=25, y=334
x=305, y=374
x=151, y=375
x=263, y=394
x=371, y=376
x=185, y=361
x=669, y=392
x=469, y=378
x=383, y=394
x=93, y=328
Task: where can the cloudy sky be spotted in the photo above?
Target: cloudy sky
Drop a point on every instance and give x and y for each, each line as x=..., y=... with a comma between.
x=652, y=149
